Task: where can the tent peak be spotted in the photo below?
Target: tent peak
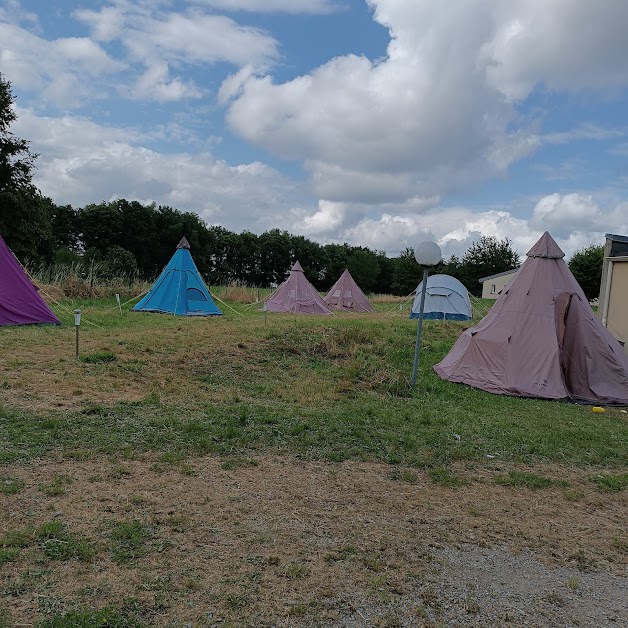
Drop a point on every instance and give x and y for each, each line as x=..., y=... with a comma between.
x=297, y=266
x=184, y=244
x=546, y=247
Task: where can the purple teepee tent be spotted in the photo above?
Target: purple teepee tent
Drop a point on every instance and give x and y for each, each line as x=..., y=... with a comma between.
x=20, y=303
x=345, y=294
x=296, y=295
x=541, y=339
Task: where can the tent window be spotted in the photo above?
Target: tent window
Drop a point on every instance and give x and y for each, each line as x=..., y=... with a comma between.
x=194, y=294
x=493, y=289
x=336, y=293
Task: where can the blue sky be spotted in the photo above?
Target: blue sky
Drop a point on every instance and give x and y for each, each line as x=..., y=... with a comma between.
x=375, y=122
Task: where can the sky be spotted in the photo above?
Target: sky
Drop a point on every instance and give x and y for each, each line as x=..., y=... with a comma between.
x=379, y=123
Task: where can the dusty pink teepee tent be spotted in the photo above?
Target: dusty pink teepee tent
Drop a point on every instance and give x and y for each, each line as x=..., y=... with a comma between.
x=541, y=339
x=345, y=294
x=296, y=295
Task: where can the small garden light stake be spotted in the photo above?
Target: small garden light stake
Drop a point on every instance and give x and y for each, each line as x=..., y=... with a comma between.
x=77, y=324
x=427, y=254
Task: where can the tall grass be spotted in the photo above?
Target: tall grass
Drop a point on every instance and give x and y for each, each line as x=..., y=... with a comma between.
x=84, y=281
x=241, y=293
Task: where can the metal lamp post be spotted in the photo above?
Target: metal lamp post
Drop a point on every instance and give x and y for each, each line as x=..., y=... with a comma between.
x=427, y=254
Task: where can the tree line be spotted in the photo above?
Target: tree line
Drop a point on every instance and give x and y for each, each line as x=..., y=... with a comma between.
x=130, y=238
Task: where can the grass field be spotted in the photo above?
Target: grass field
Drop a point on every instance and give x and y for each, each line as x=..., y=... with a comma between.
x=261, y=469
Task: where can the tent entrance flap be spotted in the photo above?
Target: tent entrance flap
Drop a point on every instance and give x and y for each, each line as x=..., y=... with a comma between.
x=562, y=302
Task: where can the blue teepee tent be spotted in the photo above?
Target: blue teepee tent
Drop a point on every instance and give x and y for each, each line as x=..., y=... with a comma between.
x=445, y=299
x=179, y=289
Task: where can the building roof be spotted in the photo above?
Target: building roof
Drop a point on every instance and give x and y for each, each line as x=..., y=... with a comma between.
x=616, y=246
x=506, y=272
x=616, y=238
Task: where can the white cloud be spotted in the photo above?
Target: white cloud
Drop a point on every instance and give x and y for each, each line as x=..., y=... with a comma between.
x=196, y=37
x=328, y=218
x=83, y=162
x=383, y=141
x=583, y=132
x=105, y=24
x=421, y=121
x=564, y=44
x=566, y=170
x=274, y=6
x=576, y=213
x=621, y=150
x=13, y=13
x=64, y=70
x=165, y=42
x=156, y=84
x=456, y=228
x=158, y=48
x=439, y=112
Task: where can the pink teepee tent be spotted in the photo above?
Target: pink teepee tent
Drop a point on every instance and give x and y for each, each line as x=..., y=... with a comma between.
x=345, y=294
x=541, y=339
x=296, y=295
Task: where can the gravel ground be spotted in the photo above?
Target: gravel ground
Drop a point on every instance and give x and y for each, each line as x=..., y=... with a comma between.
x=471, y=586
x=499, y=587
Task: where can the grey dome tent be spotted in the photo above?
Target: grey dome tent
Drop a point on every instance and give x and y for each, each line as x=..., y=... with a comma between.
x=541, y=339
x=445, y=299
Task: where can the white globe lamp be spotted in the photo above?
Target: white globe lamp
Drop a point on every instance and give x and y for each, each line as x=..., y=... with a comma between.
x=428, y=254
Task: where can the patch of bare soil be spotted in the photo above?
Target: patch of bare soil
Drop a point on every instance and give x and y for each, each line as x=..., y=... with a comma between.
x=283, y=542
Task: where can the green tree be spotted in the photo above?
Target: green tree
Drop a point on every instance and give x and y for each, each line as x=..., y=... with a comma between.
x=24, y=213
x=65, y=227
x=100, y=225
x=118, y=262
x=486, y=256
x=275, y=256
x=383, y=285
x=16, y=160
x=25, y=223
x=406, y=273
x=246, y=258
x=364, y=268
x=337, y=258
x=452, y=267
x=586, y=266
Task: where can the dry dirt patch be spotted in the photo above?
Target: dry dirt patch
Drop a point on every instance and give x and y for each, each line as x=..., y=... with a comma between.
x=286, y=542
